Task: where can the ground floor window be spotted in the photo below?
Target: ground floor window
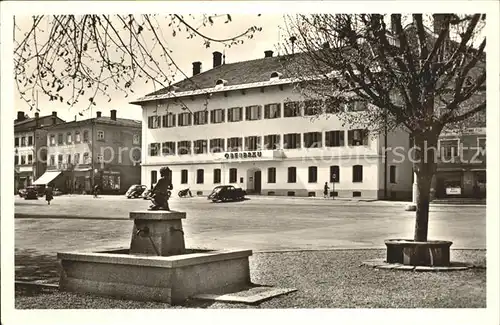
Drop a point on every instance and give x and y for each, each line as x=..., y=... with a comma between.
x=357, y=174
x=200, y=176
x=154, y=177
x=313, y=174
x=392, y=174
x=233, y=175
x=334, y=174
x=184, y=176
x=271, y=175
x=217, y=176
x=292, y=174
x=111, y=182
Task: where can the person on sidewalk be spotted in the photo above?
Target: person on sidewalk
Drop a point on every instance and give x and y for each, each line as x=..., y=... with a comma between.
x=96, y=190
x=49, y=195
x=325, y=191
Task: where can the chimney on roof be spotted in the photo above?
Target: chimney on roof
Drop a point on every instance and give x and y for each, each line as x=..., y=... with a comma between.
x=113, y=114
x=54, y=114
x=217, y=59
x=20, y=116
x=98, y=114
x=440, y=22
x=37, y=115
x=268, y=54
x=196, y=68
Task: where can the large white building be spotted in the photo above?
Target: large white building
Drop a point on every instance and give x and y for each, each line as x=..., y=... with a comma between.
x=242, y=124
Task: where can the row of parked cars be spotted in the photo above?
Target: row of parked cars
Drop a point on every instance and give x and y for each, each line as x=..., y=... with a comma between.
x=34, y=192
x=222, y=193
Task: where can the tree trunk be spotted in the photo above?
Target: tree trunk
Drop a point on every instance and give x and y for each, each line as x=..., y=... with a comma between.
x=425, y=169
x=423, y=199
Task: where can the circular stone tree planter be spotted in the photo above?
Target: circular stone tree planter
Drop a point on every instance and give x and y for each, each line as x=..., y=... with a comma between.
x=410, y=252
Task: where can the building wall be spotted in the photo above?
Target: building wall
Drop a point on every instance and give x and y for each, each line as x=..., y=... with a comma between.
x=467, y=170
x=116, y=149
x=397, y=156
x=26, y=170
x=345, y=157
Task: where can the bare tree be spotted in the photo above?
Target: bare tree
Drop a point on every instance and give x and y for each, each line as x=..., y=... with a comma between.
x=421, y=76
x=68, y=57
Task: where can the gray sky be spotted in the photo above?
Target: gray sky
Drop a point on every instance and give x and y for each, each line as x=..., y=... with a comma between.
x=184, y=53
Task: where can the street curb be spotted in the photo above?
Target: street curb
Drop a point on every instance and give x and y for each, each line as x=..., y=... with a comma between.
x=67, y=217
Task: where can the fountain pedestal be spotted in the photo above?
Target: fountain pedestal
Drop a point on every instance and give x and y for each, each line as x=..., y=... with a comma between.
x=156, y=267
x=157, y=233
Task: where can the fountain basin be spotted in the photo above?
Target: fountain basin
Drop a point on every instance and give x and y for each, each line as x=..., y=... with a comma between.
x=170, y=279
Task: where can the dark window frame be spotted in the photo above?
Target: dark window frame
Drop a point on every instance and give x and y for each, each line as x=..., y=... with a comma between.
x=312, y=174
x=335, y=169
x=217, y=176
x=335, y=138
x=316, y=137
x=184, y=176
x=168, y=145
x=276, y=110
x=292, y=175
x=296, y=138
x=357, y=174
x=392, y=174
x=233, y=175
x=271, y=175
x=200, y=177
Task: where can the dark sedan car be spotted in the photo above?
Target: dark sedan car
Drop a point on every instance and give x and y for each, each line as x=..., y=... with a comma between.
x=227, y=193
x=31, y=193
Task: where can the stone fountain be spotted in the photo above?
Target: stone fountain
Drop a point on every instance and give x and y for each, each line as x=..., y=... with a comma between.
x=157, y=266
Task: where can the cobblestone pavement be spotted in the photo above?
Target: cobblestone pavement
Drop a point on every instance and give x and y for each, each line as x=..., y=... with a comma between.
x=258, y=223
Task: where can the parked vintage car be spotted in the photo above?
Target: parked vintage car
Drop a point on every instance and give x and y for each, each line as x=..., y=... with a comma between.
x=135, y=191
x=225, y=193
x=22, y=192
x=31, y=193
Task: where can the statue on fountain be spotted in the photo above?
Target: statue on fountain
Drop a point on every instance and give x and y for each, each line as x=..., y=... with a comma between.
x=162, y=191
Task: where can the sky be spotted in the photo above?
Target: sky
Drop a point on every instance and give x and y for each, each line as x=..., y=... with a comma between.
x=185, y=51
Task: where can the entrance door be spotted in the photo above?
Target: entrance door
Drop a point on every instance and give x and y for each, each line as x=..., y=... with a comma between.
x=257, y=182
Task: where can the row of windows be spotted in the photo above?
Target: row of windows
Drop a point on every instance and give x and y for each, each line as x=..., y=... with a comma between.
x=249, y=113
x=271, y=142
x=357, y=175
x=78, y=138
x=25, y=159
x=72, y=159
x=23, y=141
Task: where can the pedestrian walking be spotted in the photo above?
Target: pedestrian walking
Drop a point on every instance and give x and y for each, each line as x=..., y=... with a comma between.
x=96, y=190
x=49, y=195
x=325, y=190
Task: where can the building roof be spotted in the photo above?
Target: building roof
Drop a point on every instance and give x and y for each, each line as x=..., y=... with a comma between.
x=237, y=75
x=99, y=120
x=30, y=123
x=256, y=73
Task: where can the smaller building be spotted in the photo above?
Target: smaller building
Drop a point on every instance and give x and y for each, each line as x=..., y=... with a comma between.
x=104, y=151
x=462, y=166
x=30, y=141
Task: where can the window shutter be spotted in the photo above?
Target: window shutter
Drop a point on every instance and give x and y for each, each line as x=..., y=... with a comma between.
x=150, y=122
x=206, y=117
x=364, y=134
x=230, y=115
x=248, y=111
x=259, y=113
x=266, y=110
x=190, y=117
x=241, y=113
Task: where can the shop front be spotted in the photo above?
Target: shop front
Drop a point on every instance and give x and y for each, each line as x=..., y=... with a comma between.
x=461, y=183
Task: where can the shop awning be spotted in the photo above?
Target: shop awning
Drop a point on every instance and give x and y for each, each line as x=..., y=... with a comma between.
x=46, y=178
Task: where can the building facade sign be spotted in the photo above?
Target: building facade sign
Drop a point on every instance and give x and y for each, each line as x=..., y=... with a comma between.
x=245, y=154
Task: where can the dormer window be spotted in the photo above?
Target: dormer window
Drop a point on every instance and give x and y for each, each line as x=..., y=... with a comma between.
x=275, y=75
x=220, y=83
